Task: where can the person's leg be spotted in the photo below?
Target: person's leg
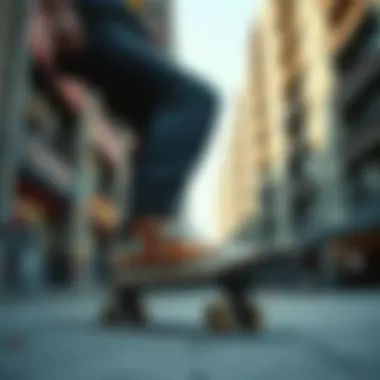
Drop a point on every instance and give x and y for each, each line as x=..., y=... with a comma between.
x=175, y=113
x=174, y=140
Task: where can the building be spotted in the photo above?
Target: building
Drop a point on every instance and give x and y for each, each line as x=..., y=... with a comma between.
x=313, y=88
x=63, y=157
x=236, y=201
x=71, y=149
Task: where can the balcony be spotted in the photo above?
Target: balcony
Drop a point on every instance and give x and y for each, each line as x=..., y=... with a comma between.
x=364, y=182
x=295, y=119
x=66, y=95
x=267, y=195
x=293, y=89
x=267, y=218
x=364, y=40
x=43, y=167
x=363, y=142
x=286, y=10
x=40, y=116
x=347, y=17
x=302, y=218
x=266, y=227
x=290, y=55
x=298, y=158
x=103, y=214
x=303, y=193
x=263, y=164
x=353, y=84
x=44, y=120
x=289, y=40
x=260, y=107
x=338, y=10
x=105, y=180
x=363, y=216
x=260, y=139
x=64, y=98
x=363, y=190
x=364, y=145
x=109, y=144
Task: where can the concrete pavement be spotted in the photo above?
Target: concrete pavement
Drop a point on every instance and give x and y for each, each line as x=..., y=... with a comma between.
x=307, y=337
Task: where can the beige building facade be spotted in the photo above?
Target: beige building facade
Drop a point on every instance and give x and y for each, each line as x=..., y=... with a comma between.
x=298, y=61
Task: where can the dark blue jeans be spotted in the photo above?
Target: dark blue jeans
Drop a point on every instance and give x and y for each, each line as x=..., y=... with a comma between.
x=171, y=110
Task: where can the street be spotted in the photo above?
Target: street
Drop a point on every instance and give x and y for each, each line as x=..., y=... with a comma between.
x=306, y=337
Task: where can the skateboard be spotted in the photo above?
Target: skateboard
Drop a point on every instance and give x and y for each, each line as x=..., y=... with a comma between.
x=230, y=269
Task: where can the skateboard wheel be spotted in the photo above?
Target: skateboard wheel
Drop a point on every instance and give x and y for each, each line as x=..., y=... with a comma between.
x=219, y=317
x=255, y=319
x=138, y=316
x=126, y=307
x=111, y=315
x=132, y=306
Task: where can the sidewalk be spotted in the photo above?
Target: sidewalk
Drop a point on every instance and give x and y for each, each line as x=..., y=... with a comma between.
x=46, y=295
x=317, y=337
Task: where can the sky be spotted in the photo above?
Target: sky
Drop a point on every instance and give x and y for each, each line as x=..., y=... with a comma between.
x=210, y=39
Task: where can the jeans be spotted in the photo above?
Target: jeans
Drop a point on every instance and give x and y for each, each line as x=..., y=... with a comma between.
x=171, y=110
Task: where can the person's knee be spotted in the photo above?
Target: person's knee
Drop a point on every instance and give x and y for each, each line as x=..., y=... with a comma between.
x=201, y=104
x=201, y=100
x=207, y=98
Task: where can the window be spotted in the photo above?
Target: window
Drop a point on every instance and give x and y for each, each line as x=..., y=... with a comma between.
x=298, y=159
x=363, y=42
x=294, y=91
x=339, y=10
x=365, y=107
x=104, y=179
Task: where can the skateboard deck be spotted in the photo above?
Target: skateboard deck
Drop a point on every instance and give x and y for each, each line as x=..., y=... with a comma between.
x=228, y=259
x=227, y=267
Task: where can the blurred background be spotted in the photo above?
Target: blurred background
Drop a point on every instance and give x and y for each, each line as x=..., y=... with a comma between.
x=294, y=166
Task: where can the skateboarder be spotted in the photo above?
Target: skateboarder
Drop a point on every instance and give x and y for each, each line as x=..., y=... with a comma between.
x=172, y=111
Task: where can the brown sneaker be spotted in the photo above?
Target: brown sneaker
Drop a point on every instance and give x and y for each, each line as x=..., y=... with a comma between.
x=151, y=243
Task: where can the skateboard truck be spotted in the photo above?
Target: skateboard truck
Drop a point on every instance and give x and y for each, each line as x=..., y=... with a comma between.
x=235, y=309
x=231, y=271
x=125, y=307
